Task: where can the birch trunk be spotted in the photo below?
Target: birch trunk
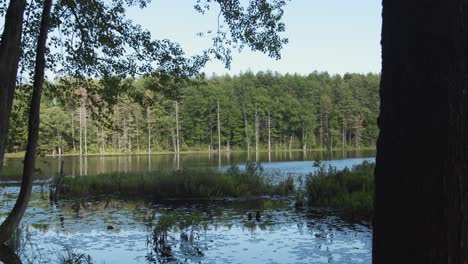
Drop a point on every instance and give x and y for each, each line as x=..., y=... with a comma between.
x=219, y=130
x=177, y=126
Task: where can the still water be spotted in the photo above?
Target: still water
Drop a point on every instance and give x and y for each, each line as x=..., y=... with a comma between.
x=112, y=230
x=282, y=162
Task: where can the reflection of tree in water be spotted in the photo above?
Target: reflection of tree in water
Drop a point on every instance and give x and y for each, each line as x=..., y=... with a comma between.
x=7, y=255
x=190, y=227
x=19, y=246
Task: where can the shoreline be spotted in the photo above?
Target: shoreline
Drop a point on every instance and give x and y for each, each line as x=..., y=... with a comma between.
x=21, y=154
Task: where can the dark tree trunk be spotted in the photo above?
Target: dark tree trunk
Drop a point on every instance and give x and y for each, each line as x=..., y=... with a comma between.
x=10, y=50
x=422, y=152
x=8, y=256
x=11, y=222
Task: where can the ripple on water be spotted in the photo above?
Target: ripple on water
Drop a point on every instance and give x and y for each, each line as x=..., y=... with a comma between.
x=283, y=235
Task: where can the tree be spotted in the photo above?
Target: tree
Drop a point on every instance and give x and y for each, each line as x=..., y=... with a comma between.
x=421, y=175
x=293, y=103
x=10, y=50
x=100, y=49
x=13, y=219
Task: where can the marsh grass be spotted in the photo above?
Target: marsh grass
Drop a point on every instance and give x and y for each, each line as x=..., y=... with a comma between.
x=179, y=184
x=349, y=189
x=71, y=256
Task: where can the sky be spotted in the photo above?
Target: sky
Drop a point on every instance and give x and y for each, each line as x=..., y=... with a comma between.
x=337, y=36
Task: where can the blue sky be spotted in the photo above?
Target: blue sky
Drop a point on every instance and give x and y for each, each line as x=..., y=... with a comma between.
x=337, y=36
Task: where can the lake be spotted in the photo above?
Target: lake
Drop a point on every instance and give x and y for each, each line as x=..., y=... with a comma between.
x=296, y=162
x=116, y=230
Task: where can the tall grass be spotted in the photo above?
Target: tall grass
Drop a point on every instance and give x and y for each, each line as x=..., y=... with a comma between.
x=71, y=256
x=193, y=183
x=349, y=189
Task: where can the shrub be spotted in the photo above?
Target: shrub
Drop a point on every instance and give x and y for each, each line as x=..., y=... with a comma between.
x=350, y=189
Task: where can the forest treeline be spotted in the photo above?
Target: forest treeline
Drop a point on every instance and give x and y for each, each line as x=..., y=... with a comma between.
x=244, y=112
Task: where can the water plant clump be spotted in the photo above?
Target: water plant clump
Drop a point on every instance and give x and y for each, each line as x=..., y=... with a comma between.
x=190, y=226
x=71, y=256
x=349, y=189
x=185, y=183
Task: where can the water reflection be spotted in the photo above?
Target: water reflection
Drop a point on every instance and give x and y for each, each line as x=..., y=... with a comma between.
x=179, y=231
x=8, y=255
x=93, y=165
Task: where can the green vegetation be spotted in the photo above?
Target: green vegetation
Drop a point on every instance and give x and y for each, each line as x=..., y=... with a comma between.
x=190, y=225
x=352, y=190
x=179, y=184
x=317, y=111
x=70, y=256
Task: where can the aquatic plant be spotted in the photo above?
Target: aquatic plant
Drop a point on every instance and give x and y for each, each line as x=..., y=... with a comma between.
x=185, y=183
x=350, y=189
x=189, y=225
x=70, y=256
x=300, y=194
x=253, y=168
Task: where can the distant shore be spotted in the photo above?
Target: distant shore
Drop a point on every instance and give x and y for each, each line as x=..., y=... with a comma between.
x=74, y=154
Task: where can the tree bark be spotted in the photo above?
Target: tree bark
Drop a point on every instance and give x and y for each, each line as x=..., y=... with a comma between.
x=290, y=143
x=73, y=129
x=129, y=134
x=421, y=176
x=321, y=131
x=12, y=221
x=148, y=113
x=219, y=130
x=343, y=134
x=177, y=126
x=138, y=135
x=256, y=131
x=8, y=255
x=10, y=51
x=246, y=130
x=174, y=142
x=85, y=120
x=269, y=132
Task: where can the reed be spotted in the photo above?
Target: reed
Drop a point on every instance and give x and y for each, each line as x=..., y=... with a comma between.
x=179, y=184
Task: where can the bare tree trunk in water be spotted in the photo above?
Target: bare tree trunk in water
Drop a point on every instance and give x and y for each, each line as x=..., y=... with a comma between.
x=304, y=140
x=343, y=135
x=174, y=142
x=321, y=131
x=421, y=175
x=10, y=50
x=138, y=136
x=211, y=139
x=269, y=132
x=149, y=128
x=81, y=131
x=177, y=127
x=327, y=129
x=73, y=129
x=246, y=130
x=85, y=120
x=129, y=133
x=219, y=131
x=256, y=131
x=290, y=143
x=12, y=221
